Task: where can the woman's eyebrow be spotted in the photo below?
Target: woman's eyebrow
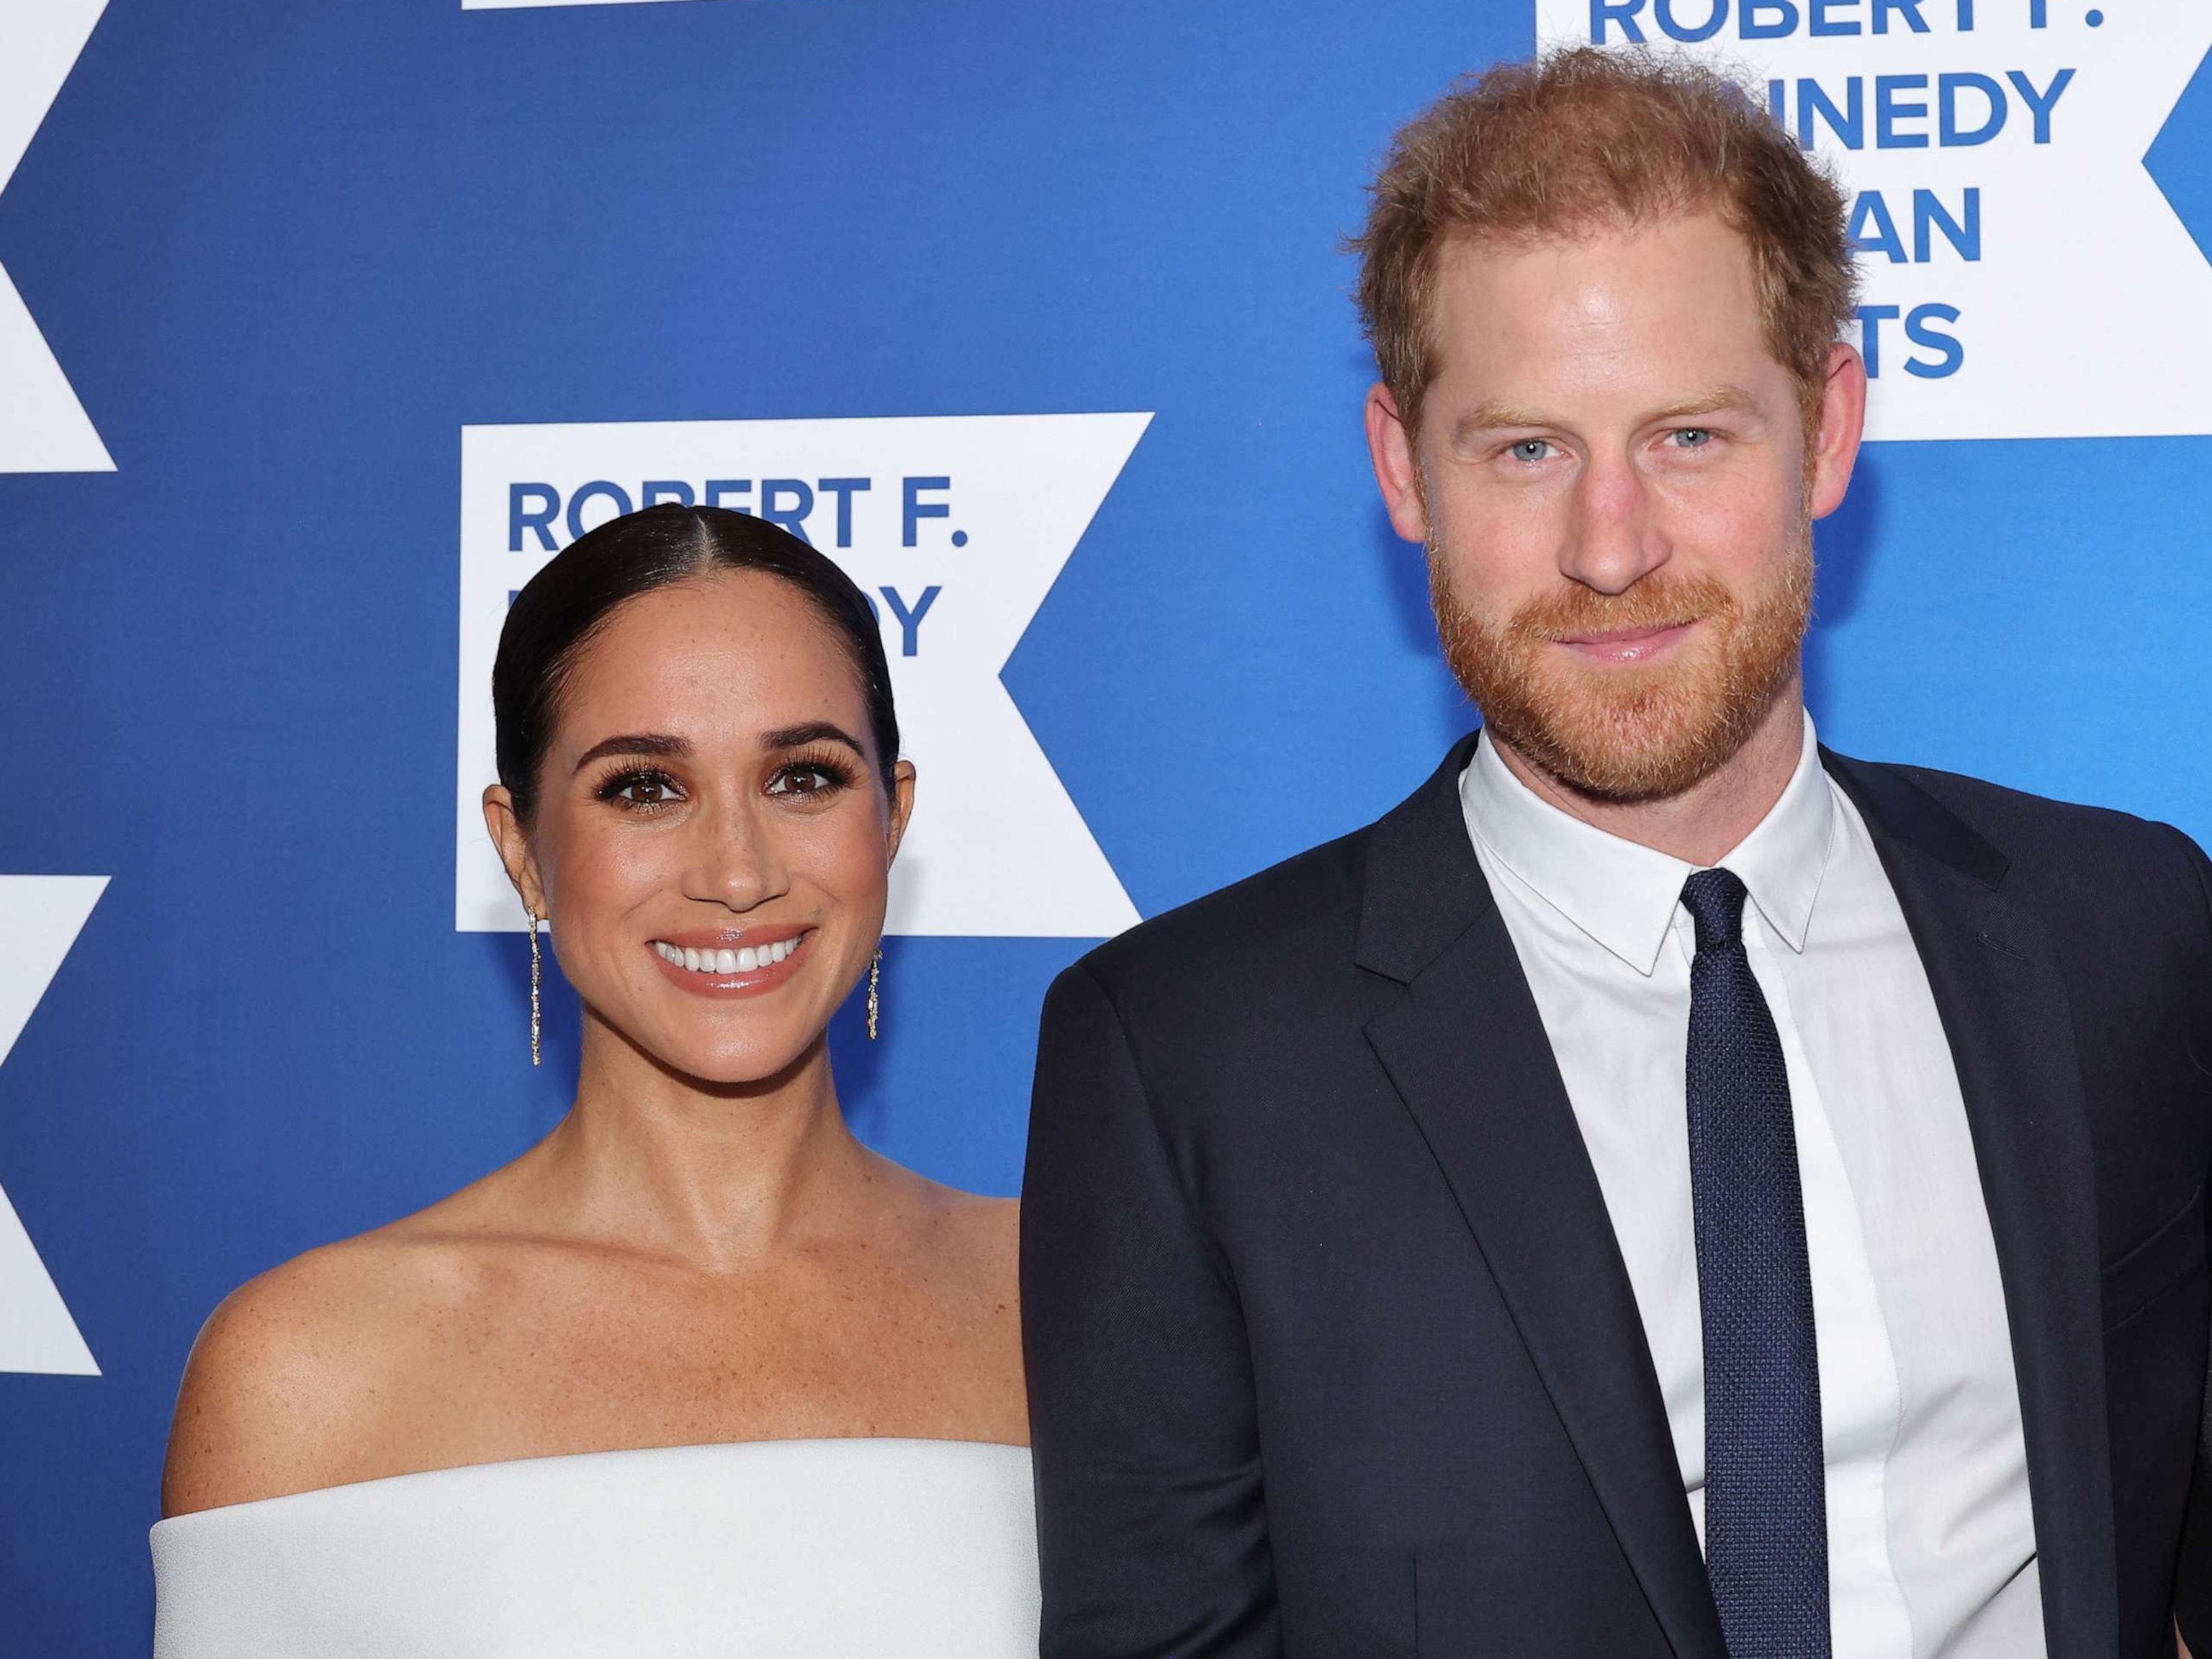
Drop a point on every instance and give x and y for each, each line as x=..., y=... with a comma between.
x=798, y=737
x=636, y=743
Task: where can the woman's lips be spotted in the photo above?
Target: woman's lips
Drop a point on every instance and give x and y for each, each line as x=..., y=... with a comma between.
x=731, y=962
x=1628, y=644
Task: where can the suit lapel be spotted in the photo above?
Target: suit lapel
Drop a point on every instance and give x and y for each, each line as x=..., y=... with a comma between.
x=1468, y=1052
x=2003, y=1006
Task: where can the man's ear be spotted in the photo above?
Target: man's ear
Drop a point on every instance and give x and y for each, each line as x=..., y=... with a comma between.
x=1397, y=468
x=1843, y=422
x=902, y=804
x=512, y=842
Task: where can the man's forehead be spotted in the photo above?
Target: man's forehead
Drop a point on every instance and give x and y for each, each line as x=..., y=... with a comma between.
x=1674, y=301
x=1700, y=237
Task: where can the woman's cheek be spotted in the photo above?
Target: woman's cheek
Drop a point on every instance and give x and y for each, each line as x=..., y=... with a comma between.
x=634, y=867
x=597, y=874
x=852, y=866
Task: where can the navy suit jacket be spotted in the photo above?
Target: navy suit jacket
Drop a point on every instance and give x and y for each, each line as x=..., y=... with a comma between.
x=1331, y=1349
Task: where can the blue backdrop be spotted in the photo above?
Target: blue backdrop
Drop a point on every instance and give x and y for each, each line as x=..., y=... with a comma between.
x=284, y=254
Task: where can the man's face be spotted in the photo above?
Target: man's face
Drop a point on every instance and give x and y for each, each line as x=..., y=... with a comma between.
x=1614, y=484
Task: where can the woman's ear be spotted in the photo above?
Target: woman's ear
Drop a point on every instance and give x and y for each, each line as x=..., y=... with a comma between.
x=901, y=803
x=512, y=842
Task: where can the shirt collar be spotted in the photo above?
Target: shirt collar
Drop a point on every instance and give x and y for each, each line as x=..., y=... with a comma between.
x=1623, y=894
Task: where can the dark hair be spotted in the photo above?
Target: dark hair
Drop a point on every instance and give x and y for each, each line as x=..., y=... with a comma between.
x=563, y=608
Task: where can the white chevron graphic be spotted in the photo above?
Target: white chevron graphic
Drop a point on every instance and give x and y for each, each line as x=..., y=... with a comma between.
x=43, y=427
x=40, y=917
x=2085, y=319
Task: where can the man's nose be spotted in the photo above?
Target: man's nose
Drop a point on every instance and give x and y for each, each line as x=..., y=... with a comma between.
x=1613, y=539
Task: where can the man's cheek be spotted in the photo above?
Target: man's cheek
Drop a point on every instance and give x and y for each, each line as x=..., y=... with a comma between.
x=1735, y=540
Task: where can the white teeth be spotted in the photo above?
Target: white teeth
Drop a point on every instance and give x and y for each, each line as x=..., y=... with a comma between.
x=744, y=960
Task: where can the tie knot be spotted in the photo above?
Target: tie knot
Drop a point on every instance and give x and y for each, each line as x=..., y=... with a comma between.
x=1715, y=899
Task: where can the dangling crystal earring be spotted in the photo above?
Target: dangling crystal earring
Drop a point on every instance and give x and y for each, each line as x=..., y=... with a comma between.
x=875, y=978
x=535, y=971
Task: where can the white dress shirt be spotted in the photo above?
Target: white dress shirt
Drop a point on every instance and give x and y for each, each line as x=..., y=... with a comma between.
x=1931, y=1548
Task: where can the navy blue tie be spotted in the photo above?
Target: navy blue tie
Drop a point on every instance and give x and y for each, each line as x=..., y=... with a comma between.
x=1766, y=1516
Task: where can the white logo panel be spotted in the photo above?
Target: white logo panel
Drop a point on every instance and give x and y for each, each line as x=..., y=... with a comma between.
x=43, y=427
x=2024, y=277
x=955, y=526
x=40, y=917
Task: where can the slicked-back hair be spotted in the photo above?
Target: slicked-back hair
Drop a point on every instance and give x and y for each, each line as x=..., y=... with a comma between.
x=1585, y=140
x=562, y=608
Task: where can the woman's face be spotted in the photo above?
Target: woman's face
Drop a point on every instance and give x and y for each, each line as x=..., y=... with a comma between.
x=712, y=838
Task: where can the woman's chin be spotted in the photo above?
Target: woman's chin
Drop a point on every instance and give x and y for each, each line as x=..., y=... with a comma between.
x=730, y=1060
x=758, y=1061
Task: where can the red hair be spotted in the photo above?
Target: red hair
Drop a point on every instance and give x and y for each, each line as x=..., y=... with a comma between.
x=1582, y=139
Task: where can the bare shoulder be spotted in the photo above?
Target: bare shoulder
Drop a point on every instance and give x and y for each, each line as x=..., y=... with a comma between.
x=291, y=1374
x=982, y=1235
x=969, y=1255
x=966, y=1245
x=995, y=1225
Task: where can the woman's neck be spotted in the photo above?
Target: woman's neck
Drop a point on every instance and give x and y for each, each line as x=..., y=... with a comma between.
x=720, y=1177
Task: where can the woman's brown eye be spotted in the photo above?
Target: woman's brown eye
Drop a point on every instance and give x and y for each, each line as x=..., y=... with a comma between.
x=640, y=789
x=799, y=781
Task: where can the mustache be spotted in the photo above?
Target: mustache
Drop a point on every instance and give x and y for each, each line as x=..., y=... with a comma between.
x=1659, y=600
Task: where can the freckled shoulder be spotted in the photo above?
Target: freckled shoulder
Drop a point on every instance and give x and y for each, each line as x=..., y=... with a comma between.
x=979, y=1239
x=290, y=1375
x=984, y=1236
x=983, y=1232
x=998, y=1225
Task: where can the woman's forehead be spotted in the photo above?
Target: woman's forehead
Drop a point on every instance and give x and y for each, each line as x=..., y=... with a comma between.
x=732, y=651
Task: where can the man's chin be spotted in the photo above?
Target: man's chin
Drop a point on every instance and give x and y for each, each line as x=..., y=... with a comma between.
x=1623, y=725
x=1642, y=736
x=1621, y=774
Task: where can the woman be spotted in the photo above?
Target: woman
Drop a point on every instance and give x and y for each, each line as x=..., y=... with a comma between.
x=531, y=1418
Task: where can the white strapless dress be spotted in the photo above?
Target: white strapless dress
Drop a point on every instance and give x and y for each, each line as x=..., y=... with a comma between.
x=925, y=1549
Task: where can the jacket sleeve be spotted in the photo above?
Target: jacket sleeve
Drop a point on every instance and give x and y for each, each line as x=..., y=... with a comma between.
x=1151, y=1522
x=2192, y=1585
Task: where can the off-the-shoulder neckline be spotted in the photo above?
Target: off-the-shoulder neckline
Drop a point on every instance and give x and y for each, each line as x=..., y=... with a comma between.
x=463, y=1472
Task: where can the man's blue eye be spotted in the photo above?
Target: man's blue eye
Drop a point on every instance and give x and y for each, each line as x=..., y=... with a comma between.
x=1530, y=449
x=1694, y=437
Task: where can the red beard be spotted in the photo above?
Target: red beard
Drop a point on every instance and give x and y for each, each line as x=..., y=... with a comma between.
x=1630, y=734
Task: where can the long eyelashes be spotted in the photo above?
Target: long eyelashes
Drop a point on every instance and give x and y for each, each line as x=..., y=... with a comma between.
x=657, y=789
x=807, y=776
x=814, y=773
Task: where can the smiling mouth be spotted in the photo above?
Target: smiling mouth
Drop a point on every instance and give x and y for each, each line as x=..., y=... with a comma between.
x=725, y=962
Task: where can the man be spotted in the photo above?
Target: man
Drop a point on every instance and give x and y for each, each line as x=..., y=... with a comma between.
x=1665, y=1189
